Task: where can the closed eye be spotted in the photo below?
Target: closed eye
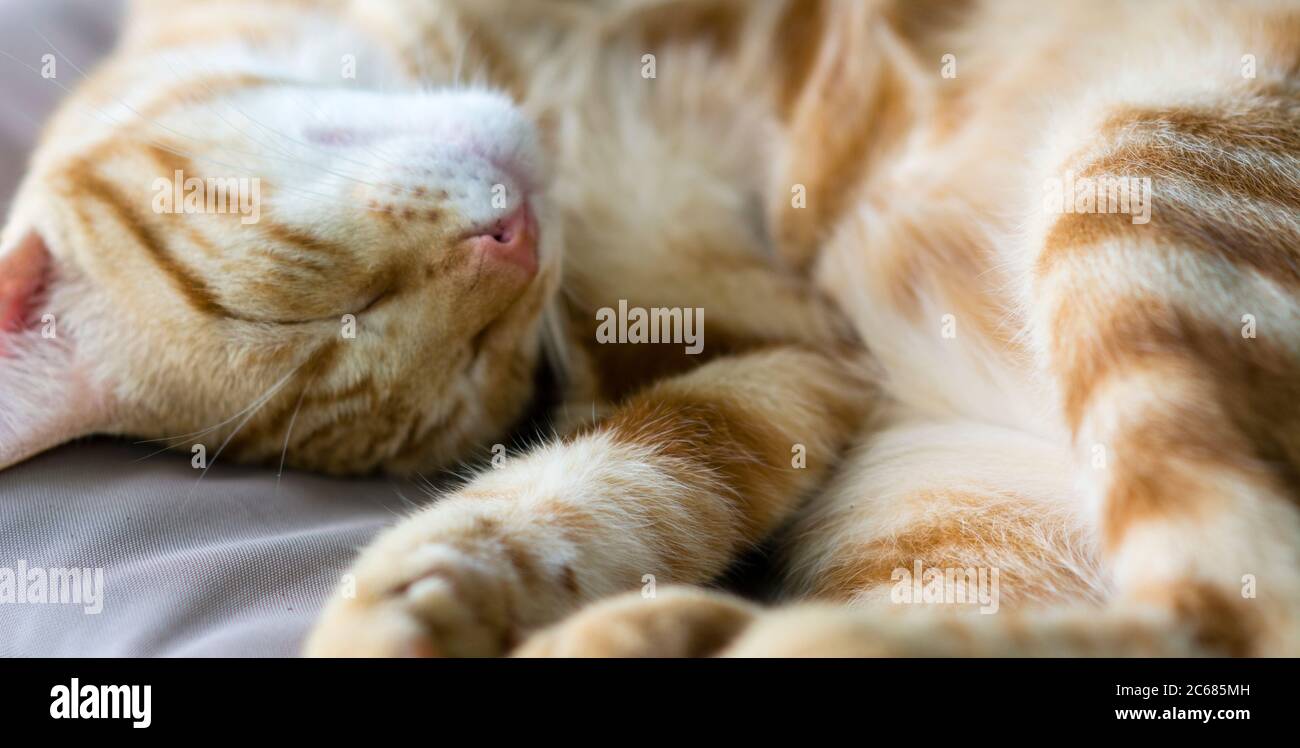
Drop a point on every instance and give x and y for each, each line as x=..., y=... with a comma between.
x=331, y=318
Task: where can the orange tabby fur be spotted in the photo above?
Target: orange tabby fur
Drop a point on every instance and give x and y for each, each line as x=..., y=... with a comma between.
x=1065, y=398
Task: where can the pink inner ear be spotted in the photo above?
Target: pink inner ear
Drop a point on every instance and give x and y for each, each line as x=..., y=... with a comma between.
x=46, y=394
x=22, y=280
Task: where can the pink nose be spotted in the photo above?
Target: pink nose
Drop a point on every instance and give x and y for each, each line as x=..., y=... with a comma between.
x=512, y=242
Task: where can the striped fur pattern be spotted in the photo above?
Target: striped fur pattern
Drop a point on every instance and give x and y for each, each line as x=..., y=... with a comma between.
x=1097, y=407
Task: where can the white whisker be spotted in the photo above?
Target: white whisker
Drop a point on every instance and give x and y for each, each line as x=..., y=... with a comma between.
x=288, y=432
x=259, y=404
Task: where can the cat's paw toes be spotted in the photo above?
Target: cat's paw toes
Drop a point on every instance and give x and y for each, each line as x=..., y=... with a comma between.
x=400, y=625
x=422, y=604
x=678, y=622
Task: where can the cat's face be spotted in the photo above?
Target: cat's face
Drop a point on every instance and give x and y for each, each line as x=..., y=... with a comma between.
x=349, y=277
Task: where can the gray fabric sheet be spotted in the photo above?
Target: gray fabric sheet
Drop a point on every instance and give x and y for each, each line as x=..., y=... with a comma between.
x=228, y=566
x=231, y=566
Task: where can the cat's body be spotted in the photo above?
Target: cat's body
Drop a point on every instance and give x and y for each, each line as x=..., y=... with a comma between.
x=1066, y=398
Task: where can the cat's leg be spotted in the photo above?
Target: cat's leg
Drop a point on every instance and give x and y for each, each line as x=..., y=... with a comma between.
x=674, y=622
x=1170, y=330
x=991, y=508
x=668, y=489
x=707, y=623
x=1174, y=339
x=948, y=495
x=994, y=507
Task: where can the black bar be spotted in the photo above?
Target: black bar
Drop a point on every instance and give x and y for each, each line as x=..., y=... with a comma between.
x=442, y=699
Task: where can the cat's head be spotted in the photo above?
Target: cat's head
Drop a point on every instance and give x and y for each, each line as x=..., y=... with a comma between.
x=352, y=276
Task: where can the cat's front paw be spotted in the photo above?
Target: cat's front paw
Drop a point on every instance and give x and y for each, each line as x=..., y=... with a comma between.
x=424, y=617
x=421, y=591
x=677, y=622
x=436, y=611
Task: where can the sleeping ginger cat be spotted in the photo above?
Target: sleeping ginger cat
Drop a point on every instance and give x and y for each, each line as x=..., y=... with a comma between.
x=1007, y=288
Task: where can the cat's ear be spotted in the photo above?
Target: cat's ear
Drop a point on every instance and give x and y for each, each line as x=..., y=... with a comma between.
x=46, y=392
